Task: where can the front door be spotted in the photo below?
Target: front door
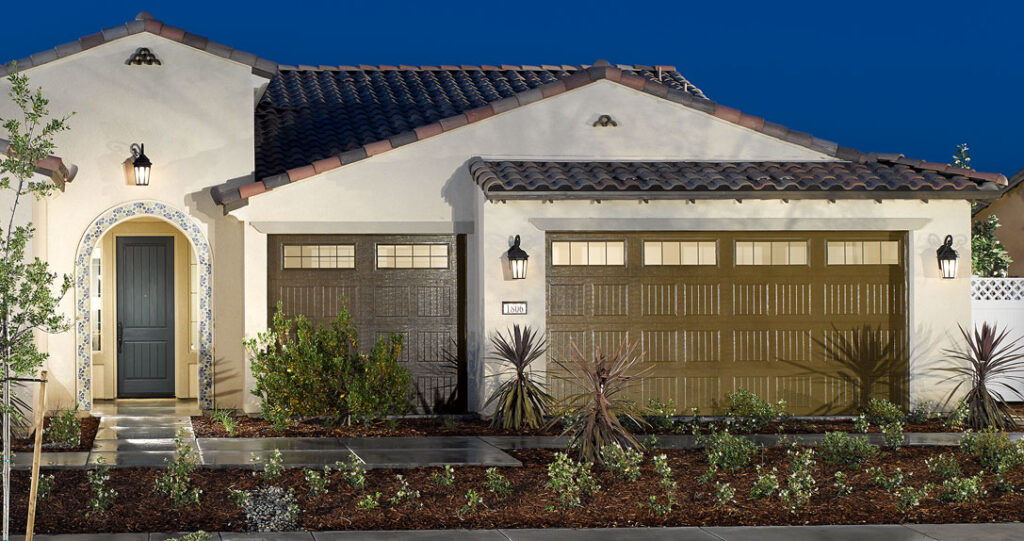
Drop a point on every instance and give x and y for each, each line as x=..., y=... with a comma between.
x=145, y=317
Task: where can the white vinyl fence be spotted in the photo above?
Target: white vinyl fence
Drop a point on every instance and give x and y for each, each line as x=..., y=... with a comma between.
x=1000, y=301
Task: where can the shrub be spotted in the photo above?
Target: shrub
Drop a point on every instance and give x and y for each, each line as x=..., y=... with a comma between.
x=317, y=481
x=752, y=412
x=840, y=449
x=993, y=450
x=225, y=419
x=800, y=485
x=474, y=501
x=353, y=471
x=319, y=373
x=497, y=483
x=957, y=418
x=405, y=493
x=668, y=487
x=723, y=493
x=892, y=435
x=446, y=477
x=272, y=468
x=727, y=451
x=521, y=399
x=880, y=411
x=889, y=482
x=909, y=497
x=765, y=485
x=269, y=509
x=842, y=485
x=659, y=414
x=943, y=465
x=594, y=412
x=102, y=497
x=175, y=482
x=65, y=429
x=369, y=501
x=571, y=480
x=990, y=368
x=962, y=489
x=45, y=487
x=624, y=463
x=921, y=412
x=861, y=424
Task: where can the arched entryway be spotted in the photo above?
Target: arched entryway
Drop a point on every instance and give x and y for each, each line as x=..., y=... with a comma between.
x=83, y=326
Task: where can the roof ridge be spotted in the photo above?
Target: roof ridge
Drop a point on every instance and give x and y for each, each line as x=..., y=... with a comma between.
x=471, y=67
x=143, y=22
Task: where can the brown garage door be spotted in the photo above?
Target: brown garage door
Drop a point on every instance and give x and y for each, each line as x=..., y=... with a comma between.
x=410, y=285
x=817, y=319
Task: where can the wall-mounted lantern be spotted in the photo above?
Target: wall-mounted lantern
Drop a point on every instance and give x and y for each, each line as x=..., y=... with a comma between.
x=517, y=260
x=949, y=260
x=141, y=164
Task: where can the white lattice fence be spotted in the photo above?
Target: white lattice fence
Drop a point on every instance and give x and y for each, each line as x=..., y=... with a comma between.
x=1000, y=301
x=997, y=289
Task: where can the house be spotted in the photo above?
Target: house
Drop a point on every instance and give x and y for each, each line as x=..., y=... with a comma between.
x=735, y=249
x=1009, y=208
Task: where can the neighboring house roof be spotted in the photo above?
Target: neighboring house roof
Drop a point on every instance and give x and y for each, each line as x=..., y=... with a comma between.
x=51, y=166
x=1011, y=185
x=873, y=177
x=418, y=126
x=144, y=22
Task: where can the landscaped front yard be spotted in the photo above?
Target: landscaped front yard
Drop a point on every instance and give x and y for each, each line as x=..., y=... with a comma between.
x=618, y=502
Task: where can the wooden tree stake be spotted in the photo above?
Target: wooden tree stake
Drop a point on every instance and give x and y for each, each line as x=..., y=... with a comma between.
x=33, y=492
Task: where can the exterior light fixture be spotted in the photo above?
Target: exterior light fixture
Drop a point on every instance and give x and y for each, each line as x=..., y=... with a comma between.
x=949, y=260
x=141, y=164
x=517, y=260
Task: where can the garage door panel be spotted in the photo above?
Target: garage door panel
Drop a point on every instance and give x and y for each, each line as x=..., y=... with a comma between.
x=714, y=328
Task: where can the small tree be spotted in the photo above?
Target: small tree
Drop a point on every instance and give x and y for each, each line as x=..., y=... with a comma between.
x=988, y=256
x=28, y=296
x=962, y=157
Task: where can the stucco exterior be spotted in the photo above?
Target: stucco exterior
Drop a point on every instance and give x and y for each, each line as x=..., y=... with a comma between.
x=1010, y=210
x=195, y=115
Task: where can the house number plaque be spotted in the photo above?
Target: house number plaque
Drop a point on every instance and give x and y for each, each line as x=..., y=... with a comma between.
x=516, y=308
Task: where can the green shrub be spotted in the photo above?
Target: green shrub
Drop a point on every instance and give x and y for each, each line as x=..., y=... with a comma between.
x=889, y=482
x=102, y=497
x=369, y=501
x=909, y=497
x=571, y=480
x=317, y=480
x=921, y=412
x=841, y=449
x=842, y=484
x=175, y=482
x=474, y=501
x=45, y=487
x=659, y=414
x=800, y=485
x=943, y=465
x=446, y=477
x=861, y=424
x=727, y=451
x=353, y=471
x=320, y=373
x=225, y=419
x=405, y=493
x=497, y=483
x=272, y=468
x=724, y=493
x=957, y=418
x=892, y=435
x=765, y=485
x=668, y=485
x=624, y=463
x=65, y=429
x=880, y=411
x=993, y=450
x=752, y=412
x=962, y=489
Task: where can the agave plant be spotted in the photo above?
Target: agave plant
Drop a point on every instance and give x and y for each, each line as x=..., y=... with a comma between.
x=988, y=366
x=597, y=410
x=521, y=399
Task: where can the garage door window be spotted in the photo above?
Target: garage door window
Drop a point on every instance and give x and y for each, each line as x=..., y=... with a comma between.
x=319, y=256
x=771, y=252
x=863, y=252
x=412, y=256
x=588, y=253
x=680, y=253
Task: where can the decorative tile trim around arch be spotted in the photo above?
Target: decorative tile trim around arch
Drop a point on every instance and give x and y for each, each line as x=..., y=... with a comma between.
x=94, y=232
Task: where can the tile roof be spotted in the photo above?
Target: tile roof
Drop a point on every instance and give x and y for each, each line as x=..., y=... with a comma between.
x=311, y=113
x=876, y=176
x=144, y=22
x=52, y=166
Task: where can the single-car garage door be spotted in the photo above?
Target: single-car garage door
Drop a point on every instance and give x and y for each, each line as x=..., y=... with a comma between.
x=410, y=285
x=815, y=318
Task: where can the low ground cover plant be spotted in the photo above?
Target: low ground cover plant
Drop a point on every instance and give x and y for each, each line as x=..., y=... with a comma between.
x=624, y=463
x=446, y=477
x=497, y=483
x=663, y=505
x=474, y=501
x=800, y=485
x=65, y=429
x=962, y=489
x=944, y=465
x=892, y=435
x=993, y=450
x=841, y=449
x=520, y=400
x=880, y=411
x=353, y=471
x=320, y=373
x=749, y=411
x=176, y=482
x=571, y=481
x=225, y=419
x=317, y=481
x=765, y=485
x=102, y=496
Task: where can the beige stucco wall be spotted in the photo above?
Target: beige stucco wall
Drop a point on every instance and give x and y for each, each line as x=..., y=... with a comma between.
x=194, y=114
x=427, y=189
x=185, y=357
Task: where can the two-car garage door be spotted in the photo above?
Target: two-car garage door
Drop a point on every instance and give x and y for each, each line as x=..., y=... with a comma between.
x=809, y=317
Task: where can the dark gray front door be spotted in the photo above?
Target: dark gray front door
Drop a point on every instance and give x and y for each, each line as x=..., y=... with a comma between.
x=145, y=317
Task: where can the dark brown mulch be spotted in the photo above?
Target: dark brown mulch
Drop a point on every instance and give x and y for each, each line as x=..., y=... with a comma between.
x=90, y=425
x=617, y=504
x=249, y=427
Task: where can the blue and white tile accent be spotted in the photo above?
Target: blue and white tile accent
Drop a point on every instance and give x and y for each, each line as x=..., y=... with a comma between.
x=95, y=231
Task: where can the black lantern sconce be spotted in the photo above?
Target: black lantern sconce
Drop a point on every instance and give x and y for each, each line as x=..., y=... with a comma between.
x=141, y=164
x=949, y=260
x=517, y=258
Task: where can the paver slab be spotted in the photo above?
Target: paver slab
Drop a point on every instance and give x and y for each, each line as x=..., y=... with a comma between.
x=138, y=432
x=610, y=534
x=799, y=533
x=141, y=459
x=417, y=458
x=289, y=458
x=526, y=442
x=416, y=535
x=267, y=536
x=971, y=532
x=424, y=442
x=269, y=444
x=51, y=460
x=139, y=444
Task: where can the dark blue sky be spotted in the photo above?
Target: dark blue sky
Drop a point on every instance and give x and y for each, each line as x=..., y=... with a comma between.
x=909, y=77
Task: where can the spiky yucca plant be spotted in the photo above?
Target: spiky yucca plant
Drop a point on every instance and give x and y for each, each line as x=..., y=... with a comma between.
x=521, y=399
x=595, y=413
x=987, y=365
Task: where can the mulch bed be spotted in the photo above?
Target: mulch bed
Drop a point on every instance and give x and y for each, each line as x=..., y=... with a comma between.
x=249, y=427
x=90, y=425
x=138, y=509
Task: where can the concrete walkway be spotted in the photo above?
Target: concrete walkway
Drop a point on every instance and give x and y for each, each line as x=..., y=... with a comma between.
x=907, y=532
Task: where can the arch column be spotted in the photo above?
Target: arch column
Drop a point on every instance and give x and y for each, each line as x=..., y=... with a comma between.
x=83, y=314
